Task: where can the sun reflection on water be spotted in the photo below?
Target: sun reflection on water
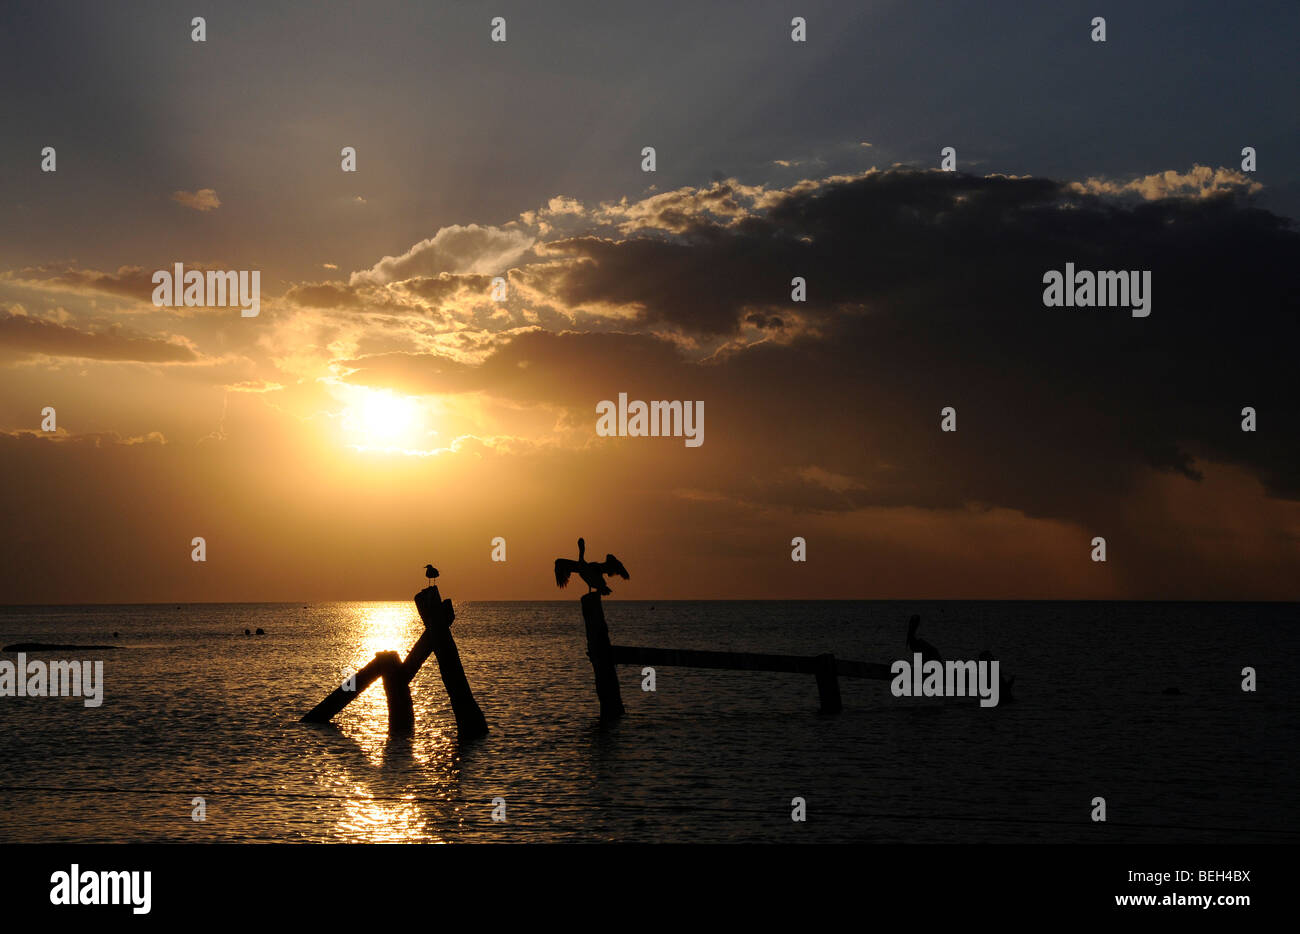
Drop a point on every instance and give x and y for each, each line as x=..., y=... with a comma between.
x=383, y=627
x=384, y=821
x=398, y=788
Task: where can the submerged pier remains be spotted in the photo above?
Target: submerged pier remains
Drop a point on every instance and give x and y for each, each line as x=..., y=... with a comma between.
x=605, y=657
x=397, y=673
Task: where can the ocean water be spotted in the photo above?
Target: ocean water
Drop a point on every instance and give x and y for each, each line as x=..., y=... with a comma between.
x=193, y=708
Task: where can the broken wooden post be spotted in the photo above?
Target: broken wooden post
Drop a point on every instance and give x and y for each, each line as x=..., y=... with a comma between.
x=828, y=684
x=601, y=654
x=437, y=615
x=346, y=693
x=397, y=688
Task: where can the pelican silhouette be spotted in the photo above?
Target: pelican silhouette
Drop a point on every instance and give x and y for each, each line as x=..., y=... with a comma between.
x=928, y=652
x=592, y=572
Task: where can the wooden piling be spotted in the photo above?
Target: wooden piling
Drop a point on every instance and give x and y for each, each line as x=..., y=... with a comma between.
x=437, y=615
x=432, y=609
x=397, y=689
x=828, y=684
x=601, y=654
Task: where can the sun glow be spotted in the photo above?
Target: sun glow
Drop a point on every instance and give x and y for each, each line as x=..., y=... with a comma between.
x=380, y=420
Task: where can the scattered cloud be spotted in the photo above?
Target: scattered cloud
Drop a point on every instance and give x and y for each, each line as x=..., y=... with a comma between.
x=1198, y=182
x=204, y=199
x=455, y=249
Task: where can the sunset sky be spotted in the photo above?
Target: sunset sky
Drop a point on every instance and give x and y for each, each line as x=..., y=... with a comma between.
x=383, y=411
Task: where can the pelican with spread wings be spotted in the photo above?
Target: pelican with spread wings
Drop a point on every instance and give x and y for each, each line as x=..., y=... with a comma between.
x=592, y=572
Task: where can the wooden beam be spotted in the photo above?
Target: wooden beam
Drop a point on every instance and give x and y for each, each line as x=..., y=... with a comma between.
x=341, y=696
x=873, y=670
x=745, y=661
x=704, y=658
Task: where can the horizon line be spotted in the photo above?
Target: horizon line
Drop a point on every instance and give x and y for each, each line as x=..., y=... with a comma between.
x=14, y=606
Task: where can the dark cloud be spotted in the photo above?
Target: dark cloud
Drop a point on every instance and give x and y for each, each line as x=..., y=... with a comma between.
x=415, y=373
x=925, y=291
x=22, y=336
x=572, y=369
x=766, y=322
x=701, y=281
x=324, y=295
x=133, y=282
x=445, y=285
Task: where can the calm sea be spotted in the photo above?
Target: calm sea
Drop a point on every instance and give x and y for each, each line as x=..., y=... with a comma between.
x=193, y=708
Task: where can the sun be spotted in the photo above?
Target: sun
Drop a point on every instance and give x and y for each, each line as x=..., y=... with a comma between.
x=382, y=420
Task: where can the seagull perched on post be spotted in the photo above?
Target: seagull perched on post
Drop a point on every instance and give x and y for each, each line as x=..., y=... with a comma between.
x=592, y=572
x=430, y=572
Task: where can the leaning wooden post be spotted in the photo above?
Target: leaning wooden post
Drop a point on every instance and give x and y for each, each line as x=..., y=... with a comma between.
x=828, y=684
x=437, y=615
x=341, y=696
x=602, y=658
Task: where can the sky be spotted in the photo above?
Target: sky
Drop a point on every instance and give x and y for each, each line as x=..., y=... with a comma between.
x=383, y=410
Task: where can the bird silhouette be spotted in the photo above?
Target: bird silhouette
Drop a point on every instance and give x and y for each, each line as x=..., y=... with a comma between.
x=928, y=652
x=592, y=572
x=431, y=573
